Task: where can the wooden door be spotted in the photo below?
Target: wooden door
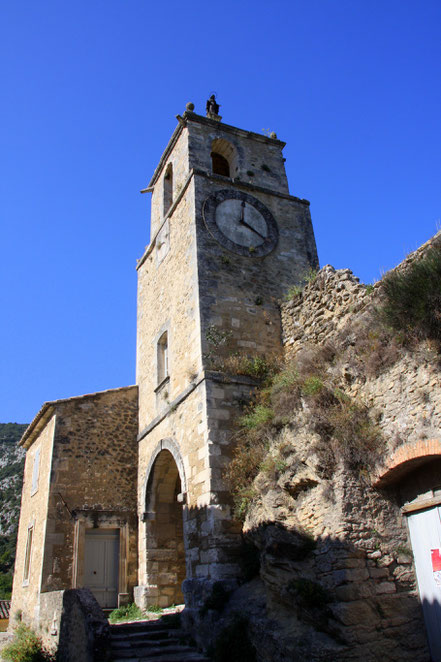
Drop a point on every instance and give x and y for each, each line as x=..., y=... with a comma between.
x=101, y=561
x=425, y=534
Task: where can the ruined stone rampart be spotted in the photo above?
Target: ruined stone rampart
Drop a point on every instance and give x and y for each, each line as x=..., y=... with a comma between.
x=401, y=385
x=321, y=309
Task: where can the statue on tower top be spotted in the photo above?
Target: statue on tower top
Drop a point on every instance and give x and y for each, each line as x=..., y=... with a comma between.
x=213, y=108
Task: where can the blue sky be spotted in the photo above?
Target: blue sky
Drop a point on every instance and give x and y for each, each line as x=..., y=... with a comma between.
x=90, y=91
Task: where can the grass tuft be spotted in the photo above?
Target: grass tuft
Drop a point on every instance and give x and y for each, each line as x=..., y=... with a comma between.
x=129, y=612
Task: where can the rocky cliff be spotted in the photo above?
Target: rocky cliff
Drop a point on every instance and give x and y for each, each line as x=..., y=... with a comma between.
x=11, y=477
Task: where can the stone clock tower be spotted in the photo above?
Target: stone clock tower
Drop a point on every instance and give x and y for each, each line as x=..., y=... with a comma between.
x=227, y=241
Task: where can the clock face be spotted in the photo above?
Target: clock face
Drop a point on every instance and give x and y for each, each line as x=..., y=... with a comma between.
x=240, y=223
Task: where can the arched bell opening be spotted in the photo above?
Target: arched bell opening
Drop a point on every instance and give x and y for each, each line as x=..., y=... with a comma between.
x=223, y=158
x=165, y=548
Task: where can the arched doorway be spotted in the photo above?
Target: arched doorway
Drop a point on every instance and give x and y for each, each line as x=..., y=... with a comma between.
x=165, y=548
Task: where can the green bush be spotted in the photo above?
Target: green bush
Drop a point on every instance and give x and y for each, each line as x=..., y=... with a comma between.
x=258, y=367
x=412, y=297
x=293, y=291
x=310, y=275
x=257, y=416
x=129, y=612
x=26, y=647
x=312, y=385
x=244, y=496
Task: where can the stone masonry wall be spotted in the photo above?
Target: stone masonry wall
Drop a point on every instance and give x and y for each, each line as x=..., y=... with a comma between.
x=72, y=625
x=34, y=508
x=179, y=162
x=93, y=480
x=257, y=159
x=168, y=301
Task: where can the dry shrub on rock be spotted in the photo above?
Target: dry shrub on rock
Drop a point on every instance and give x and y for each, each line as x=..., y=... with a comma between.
x=305, y=389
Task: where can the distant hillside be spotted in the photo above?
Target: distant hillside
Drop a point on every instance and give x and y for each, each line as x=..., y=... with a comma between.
x=11, y=479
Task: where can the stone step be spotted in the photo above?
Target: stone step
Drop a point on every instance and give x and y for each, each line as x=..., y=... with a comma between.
x=145, y=626
x=154, y=641
x=152, y=651
x=174, y=657
x=124, y=647
x=134, y=636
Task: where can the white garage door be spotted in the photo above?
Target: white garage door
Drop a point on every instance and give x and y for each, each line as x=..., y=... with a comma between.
x=425, y=534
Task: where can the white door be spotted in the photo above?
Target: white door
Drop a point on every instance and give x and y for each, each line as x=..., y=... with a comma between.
x=425, y=534
x=101, y=560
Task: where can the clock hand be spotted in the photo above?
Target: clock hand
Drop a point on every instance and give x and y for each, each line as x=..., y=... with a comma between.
x=243, y=222
x=251, y=228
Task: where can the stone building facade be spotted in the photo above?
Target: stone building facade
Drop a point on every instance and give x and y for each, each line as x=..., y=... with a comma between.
x=79, y=485
x=137, y=474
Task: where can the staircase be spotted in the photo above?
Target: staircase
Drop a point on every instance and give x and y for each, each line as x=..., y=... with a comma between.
x=152, y=640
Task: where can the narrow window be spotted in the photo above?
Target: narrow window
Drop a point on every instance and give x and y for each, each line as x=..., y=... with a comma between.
x=168, y=188
x=27, y=565
x=219, y=164
x=162, y=357
x=35, y=471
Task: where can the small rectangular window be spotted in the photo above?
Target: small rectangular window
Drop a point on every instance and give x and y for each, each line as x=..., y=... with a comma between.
x=168, y=188
x=35, y=472
x=162, y=357
x=27, y=565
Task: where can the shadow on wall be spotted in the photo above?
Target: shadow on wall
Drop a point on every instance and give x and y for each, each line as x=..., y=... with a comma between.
x=308, y=600
x=432, y=617
x=74, y=621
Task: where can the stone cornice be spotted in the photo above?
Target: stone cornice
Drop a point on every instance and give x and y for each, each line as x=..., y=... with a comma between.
x=237, y=183
x=203, y=376
x=162, y=161
x=37, y=425
x=228, y=128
